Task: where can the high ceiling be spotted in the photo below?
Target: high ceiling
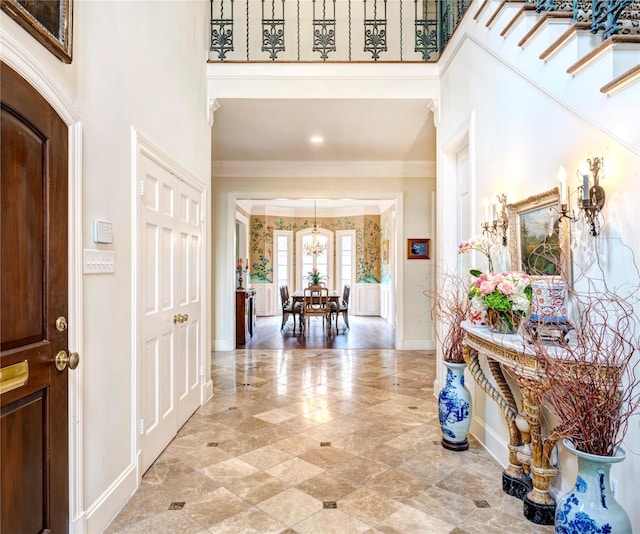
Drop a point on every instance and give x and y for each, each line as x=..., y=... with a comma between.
x=353, y=130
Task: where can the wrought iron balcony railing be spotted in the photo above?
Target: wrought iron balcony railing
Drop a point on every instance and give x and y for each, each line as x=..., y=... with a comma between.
x=332, y=30
x=610, y=17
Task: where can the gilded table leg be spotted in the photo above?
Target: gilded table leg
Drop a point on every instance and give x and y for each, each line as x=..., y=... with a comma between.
x=514, y=480
x=539, y=506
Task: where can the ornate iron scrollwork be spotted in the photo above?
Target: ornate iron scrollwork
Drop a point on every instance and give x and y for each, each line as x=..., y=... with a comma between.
x=324, y=30
x=273, y=31
x=375, y=31
x=426, y=31
x=221, y=31
x=451, y=14
x=605, y=16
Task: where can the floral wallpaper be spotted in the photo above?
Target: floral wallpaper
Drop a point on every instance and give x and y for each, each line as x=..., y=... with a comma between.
x=386, y=235
x=367, y=229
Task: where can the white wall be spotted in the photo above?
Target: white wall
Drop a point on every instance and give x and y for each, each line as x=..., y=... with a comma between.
x=519, y=137
x=414, y=193
x=142, y=65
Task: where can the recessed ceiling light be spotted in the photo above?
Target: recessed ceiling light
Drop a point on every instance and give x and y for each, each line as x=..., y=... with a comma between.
x=316, y=139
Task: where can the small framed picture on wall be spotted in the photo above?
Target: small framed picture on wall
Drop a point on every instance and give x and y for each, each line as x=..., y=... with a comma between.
x=418, y=249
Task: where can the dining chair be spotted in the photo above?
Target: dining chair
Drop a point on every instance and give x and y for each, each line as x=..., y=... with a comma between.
x=316, y=304
x=289, y=309
x=342, y=307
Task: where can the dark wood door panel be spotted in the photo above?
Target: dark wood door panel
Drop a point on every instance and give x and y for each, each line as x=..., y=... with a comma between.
x=34, y=472
x=22, y=232
x=22, y=427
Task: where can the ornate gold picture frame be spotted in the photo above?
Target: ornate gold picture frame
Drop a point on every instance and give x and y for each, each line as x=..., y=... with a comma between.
x=49, y=22
x=539, y=240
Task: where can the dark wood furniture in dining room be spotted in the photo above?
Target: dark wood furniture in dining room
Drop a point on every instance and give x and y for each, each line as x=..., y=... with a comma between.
x=342, y=307
x=316, y=304
x=289, y=308
x=298, y=296
x=245, y=315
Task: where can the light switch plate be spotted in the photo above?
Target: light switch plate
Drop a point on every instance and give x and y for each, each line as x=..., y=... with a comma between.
x=99, y=261
x=102, y=232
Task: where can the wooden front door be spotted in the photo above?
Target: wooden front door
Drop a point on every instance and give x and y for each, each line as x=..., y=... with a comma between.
x=34, y=470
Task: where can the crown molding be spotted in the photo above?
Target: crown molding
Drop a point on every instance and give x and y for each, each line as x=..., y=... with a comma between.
x=323, y=169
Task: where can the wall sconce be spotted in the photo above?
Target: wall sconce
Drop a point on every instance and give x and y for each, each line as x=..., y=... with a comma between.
x=592, y=196
x=497, y=227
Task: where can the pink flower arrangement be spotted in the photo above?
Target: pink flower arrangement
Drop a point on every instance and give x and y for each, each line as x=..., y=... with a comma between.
x=504, y=292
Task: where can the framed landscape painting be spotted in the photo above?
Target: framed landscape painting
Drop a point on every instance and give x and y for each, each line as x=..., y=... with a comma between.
x=49, y=22
x=538, y=237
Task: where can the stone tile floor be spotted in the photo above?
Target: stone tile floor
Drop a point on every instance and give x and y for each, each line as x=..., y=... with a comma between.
x=324, y=441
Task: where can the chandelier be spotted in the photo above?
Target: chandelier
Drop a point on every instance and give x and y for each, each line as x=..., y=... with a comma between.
x=317, y=244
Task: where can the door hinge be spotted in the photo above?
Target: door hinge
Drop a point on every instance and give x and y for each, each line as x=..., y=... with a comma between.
x=202, y=371
x=141, y=188
x=141, y=427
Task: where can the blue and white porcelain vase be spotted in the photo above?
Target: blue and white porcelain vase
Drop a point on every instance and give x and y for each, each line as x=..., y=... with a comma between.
x=590, y=508
x=454, y=408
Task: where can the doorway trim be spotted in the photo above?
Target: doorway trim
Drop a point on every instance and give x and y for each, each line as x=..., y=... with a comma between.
x=142, y=146
x=14, y=55
x=227, y=295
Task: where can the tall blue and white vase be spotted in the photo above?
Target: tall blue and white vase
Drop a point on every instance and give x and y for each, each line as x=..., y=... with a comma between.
x=590, y=507
x=454, y=408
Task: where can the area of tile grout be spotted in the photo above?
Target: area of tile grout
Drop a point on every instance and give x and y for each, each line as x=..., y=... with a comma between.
x=321, y=441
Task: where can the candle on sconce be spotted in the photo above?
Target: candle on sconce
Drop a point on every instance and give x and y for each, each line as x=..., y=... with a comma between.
x=239, y=262
x=486, y=209
x=495, y=211
x=584, y=172
x=562, y=174
x=585, y=187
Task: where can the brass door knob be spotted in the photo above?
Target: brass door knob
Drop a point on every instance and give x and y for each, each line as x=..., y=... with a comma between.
x=63, y=360
x=179, y=318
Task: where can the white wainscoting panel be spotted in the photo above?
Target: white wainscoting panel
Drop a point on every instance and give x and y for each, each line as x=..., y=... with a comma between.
x=386, y=303
x=367, y=301
x=264, y=299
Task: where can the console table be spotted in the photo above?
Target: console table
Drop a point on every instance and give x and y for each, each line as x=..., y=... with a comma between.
x=529, y=471
x=245, y=315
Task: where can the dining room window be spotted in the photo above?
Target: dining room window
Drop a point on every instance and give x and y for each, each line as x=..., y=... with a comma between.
x=283, y=256
x=346, y=258
x=321, y=261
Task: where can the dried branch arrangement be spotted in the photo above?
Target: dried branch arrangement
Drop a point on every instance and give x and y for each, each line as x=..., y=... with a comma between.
x=592, y=383
x=451, y=306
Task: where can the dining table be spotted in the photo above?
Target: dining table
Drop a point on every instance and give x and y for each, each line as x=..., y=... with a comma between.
x=298, y=296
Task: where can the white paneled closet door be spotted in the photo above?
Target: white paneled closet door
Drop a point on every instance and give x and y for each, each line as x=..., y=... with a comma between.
x=189, y=302
x=170, y=322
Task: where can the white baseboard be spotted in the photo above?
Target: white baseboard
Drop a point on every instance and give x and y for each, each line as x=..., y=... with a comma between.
x=207, y=391
x=495, y=445
x=222, y=345
x=107, y=506
x=417, y=345
x=436, y=388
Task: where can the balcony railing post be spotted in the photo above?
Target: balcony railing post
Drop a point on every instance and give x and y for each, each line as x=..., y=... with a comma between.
x=324, y=31
x=426, y=31
x=273, y=31
x=375, y=31
x=221, y=31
